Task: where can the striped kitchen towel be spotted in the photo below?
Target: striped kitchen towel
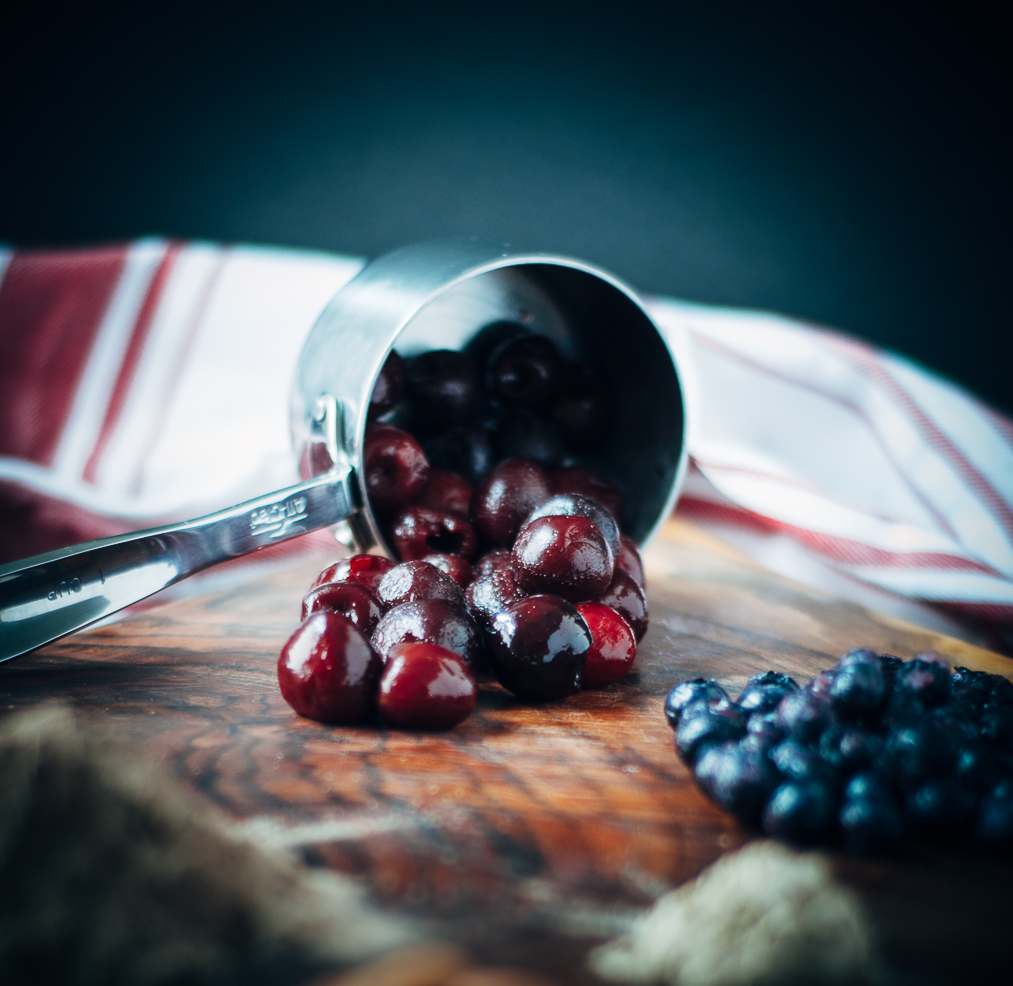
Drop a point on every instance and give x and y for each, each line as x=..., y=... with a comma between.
x=146, y=383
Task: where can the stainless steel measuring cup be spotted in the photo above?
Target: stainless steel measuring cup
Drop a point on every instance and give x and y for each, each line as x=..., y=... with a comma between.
x=429, y=296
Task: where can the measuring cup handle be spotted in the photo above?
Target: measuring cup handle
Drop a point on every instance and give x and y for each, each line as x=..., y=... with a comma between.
x=48, y=596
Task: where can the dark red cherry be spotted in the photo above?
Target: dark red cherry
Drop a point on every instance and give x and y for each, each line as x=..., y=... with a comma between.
x=444, y=388
x=564, y=556
x=430, y=621
x=489, y=339
x=413, y=580
x=329, y=671
x=351, y=600
x=467, y=450
x=426, y=687
x=538, y=647
x=364, y=570
x=612, y=645
x=526, y=435
x=579, y=412
x=389, y=385
x=448, y=493
x=629, y=601
x=396, y=468
x=493, y=561
x=629, y=561
x=588, y=483
x=575, y=505
x=525, y=371
x=453, y=565
x=491, y=594
x=419, y=531
x=506, y=497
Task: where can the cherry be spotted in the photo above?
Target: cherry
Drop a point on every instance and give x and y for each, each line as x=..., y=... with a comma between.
x=628, y=560
x=389, y=385
x=351, y=600
x=490, y=338
x=430, y=621
x=396, y=468
x=506, y=496
x=629, y=601
x=580, y=412
x=454, y=566
x=329, y=671
x=493, y=561
x=525, y=371
x=612, y=645
x=588, y=483
x=566, y=556
x=575, y=505
x=448, y=493
x=364, y=570
x=426, y=687
x=538, y=647
x=491, y=594
x=524, y=434
x=467, y=450
x=419, y=531
x=417, y=580
x=444, y=388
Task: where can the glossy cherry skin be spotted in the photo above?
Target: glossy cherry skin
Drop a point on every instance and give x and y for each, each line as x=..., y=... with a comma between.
x=613, y=648
x=579, y=412
x=506, y=497
x=413, y=580
x=489, y=339
x=525, y=372
x=628, y=560
x=329, y=671
x=430, y=621
x=467, y=450
x=426, y=687
x=588, y=483
x=444, y=388
x=629, y=601
x=538, y=648
x=454, y=566
x=351, y=600
x=575, y=505
x=564, y=556
x=395, y=466
x=419, y=531
x=389, y=385
x=364, y=570
x=493, y=561
x=448, y=493
x=489, y=595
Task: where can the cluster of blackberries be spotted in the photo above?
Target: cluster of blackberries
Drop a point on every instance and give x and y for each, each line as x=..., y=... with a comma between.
x=869, y=751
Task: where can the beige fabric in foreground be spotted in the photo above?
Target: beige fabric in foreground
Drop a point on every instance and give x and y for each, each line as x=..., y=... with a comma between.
x=111, y=873
x=762, y=915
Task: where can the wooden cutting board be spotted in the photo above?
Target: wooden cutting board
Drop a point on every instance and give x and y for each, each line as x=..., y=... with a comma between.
x=529, y=831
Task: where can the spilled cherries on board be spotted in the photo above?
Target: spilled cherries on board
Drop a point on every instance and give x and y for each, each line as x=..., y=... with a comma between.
x=511, y=558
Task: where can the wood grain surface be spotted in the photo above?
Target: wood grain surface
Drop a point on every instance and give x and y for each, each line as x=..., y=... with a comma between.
x=529, y=832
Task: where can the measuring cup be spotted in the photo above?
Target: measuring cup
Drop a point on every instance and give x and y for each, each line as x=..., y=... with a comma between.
x=428, y=296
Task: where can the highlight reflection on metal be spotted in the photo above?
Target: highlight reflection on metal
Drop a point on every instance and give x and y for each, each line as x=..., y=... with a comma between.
x=429, y=296
x=48, y=596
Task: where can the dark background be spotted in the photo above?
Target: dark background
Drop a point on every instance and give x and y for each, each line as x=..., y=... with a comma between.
x=839, y=162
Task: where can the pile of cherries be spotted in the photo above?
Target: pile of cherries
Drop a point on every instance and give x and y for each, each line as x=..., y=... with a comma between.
x=866, y=753
x=511, y=557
